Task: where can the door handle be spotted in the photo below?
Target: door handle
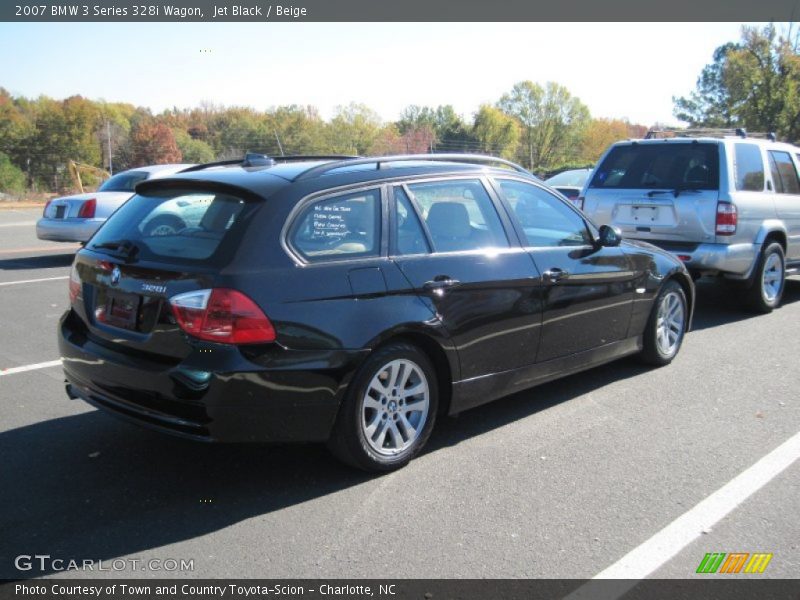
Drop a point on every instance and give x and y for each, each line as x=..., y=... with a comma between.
x=554, y=275
x=440, y=282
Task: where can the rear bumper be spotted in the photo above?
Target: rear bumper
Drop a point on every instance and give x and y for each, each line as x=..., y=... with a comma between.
x=217, y=396
x=734, y=260
x=67, y=230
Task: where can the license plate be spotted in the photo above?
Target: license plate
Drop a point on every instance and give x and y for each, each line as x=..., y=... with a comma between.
x=122, y=309
x=644, y=214
x=60, y=211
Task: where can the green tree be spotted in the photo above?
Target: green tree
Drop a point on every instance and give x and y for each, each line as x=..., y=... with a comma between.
x=12, y=179
x=753, y=83
x=192, y=150
x=552, y=122
x=496, y=132
x=353, y=129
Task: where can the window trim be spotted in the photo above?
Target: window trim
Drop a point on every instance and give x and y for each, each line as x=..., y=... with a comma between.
x=505, y=224
x=591, y=228
x=393, y=250
x=328, y=194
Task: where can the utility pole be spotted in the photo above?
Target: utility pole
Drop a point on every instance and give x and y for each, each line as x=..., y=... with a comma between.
x=280, y=146
x=108, y=137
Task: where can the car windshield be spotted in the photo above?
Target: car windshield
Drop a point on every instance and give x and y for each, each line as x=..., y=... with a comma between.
x=572, y=178
x=178, y=225
x=673, y=166
x=123, y=182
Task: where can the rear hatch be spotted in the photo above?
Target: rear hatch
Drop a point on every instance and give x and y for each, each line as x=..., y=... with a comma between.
x=660, y=191
x=154, y=247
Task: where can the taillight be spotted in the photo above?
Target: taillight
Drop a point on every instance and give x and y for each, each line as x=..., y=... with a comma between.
x=87, y=209
x=74, y=284
x=222, y=315
x=727, y=218
x=46, y=206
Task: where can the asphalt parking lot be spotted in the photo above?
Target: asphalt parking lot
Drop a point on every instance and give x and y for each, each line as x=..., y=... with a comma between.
x=561, y=481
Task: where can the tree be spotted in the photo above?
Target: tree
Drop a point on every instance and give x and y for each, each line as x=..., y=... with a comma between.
x=154, y=143
x=12, y=179
x=192, y=150
x=353, y=129
x=599, y=134
x=450, y=132
x=551, y=119
x=496, y=132
x=754, y=83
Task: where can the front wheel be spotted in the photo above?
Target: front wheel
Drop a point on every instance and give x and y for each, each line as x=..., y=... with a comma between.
x=666, y=326
x=388, y=411
x=770, y=278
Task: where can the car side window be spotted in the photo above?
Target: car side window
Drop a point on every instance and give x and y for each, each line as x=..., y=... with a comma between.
x=546, y=220
x=409, y=238
x=342, y=226
x=749, y=168
x=459, y=215
x=784, y=173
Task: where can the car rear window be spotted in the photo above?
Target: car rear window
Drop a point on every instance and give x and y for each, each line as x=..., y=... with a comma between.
x=123, y=182
x=174, y=225
x=691, y=165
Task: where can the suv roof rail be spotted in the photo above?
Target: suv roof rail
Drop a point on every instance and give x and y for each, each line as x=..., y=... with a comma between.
x=379, y=161
x=252, y=159
x=740, y=132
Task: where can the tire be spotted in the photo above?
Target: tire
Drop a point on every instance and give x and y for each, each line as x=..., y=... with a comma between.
x=666, y=327
x=164, y=225
x=370, y=431
x=769, y=280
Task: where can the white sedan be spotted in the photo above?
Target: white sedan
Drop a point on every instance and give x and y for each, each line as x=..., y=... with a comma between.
x=76, y=218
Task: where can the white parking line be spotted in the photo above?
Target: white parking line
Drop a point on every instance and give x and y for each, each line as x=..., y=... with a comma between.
x=44, y=365
x=667, y=543
x=18, y=224
x=34, y=280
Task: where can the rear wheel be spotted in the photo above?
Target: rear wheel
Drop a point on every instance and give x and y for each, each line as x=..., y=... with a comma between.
x=388, y=411
x=770, y=278
x=666, y=326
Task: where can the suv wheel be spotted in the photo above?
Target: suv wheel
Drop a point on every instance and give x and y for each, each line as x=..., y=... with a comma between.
x=666, y=326
x=769, y=280
x=388, y=411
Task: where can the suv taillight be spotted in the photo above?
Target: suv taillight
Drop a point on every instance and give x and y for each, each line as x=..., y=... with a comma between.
x=727, y=218
x=222, y=315
x=74, y=284
x=87, y=209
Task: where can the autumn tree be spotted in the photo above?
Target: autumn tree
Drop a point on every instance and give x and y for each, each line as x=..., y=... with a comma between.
x=154, y=143
x=496, y=132
x=353, y=129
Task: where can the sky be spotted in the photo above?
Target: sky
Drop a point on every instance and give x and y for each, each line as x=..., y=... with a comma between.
x=626, y=70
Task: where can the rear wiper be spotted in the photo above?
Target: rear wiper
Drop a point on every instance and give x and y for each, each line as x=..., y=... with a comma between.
x=652, y=193
x=123, y=248
x=677, y=191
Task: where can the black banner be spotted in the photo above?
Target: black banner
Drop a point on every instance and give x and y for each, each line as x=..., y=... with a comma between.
x=418, y=589
x=407, y=10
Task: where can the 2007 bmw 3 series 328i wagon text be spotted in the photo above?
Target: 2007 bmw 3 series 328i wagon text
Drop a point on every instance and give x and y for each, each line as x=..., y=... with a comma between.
x=353, y=300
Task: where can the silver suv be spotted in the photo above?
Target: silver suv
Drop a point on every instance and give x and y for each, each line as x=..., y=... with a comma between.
x=726, y=205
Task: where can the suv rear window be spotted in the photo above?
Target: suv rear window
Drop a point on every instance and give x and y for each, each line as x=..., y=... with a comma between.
x=177, y=225
x=660, y=166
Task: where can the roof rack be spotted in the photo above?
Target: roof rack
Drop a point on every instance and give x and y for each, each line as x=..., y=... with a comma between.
x=380, y=161
x=252, y=159
x=740, y=132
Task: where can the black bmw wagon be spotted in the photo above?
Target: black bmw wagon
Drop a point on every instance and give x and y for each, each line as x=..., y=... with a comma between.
x=353, y=300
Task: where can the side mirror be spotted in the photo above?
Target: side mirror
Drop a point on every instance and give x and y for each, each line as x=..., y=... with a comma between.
x=609, y=236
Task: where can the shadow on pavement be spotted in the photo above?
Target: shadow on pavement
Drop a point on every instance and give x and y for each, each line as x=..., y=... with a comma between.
x=145, y=490
x=36, y=262
x=719, y=304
